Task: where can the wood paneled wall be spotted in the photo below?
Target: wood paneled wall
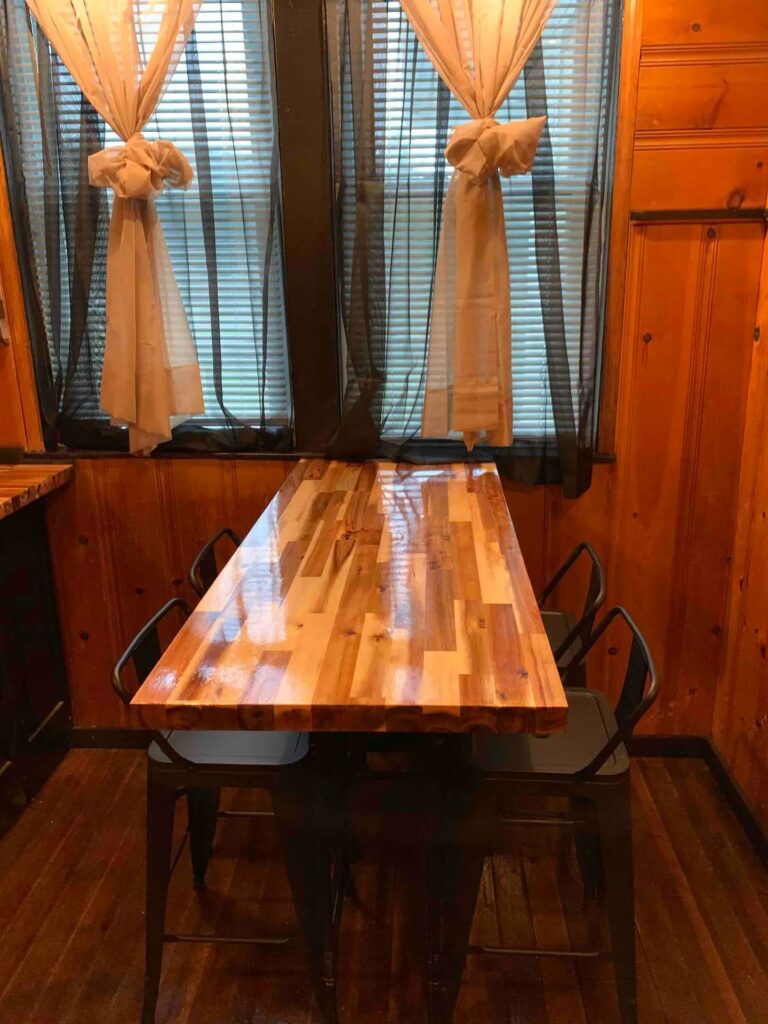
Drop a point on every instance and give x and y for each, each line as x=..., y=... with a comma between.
x=701, y=143
x=740, y=722
x=123, y=536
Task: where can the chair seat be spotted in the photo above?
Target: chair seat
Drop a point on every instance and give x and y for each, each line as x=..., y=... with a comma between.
x=591, y=723
x=239, y=749
x=558, y=625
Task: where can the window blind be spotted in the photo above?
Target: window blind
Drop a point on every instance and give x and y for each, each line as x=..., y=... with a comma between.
x=223, y=233
x=413, y=114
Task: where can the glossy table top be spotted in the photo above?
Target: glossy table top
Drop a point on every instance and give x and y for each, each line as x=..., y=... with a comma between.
x=375, y=596
x=24, y=482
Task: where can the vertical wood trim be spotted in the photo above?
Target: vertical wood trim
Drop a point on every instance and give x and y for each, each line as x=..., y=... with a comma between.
x=630, y=318
x=304, y=128
x=20, y=355
x=620, y=224
x=694, y=417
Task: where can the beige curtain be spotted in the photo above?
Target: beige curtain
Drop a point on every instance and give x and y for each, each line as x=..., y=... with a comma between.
x=121, y=53
x=479, y=48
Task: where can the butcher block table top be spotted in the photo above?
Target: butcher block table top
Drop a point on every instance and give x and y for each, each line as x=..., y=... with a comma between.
x=25, y=482
x=367, y=597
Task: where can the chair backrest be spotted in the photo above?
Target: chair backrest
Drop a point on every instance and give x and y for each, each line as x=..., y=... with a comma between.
x=638, y=690
x=143, y=652
x=593, y=599
x=205, y=567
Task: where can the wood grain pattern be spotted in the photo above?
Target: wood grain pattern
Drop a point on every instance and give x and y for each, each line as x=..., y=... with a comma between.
x=629, y=69
x=740, y=724
x=122, y=538
x=720, y=170
x=683, y=91
x=22, y=483
x=696, y=22
x=691, y=301
x=367, y=597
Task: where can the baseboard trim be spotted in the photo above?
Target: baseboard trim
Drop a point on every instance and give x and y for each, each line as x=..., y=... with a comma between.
x=669, y=746
x=738, y=801
x=110, y=739
x=703, y=747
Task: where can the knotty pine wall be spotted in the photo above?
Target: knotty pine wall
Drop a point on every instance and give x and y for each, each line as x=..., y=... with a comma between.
x=679, y=517
x=740, y=721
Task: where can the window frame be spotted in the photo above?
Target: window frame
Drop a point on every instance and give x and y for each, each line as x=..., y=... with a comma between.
x=300, y=58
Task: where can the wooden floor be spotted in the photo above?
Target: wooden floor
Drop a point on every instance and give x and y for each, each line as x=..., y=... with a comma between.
x=71, y=893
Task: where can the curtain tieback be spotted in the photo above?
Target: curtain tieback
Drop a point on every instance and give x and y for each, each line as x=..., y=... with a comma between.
x=482, y=147
x=139, y=169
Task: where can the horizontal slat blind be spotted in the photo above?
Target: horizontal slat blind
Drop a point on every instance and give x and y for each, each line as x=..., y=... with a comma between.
x=235, y=75
x=409, y=156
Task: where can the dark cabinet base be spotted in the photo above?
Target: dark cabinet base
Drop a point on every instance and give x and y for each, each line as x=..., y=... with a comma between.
x=34, y=716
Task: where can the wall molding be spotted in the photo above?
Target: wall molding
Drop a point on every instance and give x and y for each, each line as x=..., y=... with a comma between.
x=708, y=138
x=109, y=739
x=661, y=54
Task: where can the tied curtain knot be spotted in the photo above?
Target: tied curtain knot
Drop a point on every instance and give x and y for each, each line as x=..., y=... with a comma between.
x=139, y=169
x=482, y=147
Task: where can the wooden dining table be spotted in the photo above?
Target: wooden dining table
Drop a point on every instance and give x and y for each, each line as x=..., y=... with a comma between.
x=367, y=597
x=373, y=597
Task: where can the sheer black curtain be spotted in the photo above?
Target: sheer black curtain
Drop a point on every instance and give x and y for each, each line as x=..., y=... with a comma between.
x=380, y=207
x=392, y=118
x=48, y=131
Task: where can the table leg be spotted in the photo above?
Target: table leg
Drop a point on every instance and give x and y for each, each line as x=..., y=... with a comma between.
x=306, y=805
x=456, y=859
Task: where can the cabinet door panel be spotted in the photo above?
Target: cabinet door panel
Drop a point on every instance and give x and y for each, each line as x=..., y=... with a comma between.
x=31, y=661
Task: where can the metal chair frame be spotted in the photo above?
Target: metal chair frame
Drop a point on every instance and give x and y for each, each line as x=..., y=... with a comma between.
x=313, y=866
x=204, y=569
x=598, y=802
x=593, y=601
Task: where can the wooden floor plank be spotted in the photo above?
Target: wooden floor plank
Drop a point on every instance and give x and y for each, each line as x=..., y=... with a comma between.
x=561, y=983
x=732, y=856
x=745, y=967
x=703, y=970
x=71, y=917
x=521, y=976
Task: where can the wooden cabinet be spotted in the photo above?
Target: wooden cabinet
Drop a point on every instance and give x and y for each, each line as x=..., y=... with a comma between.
x=32, y=680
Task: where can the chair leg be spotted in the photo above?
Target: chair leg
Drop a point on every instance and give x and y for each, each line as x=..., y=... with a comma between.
x=203, y=809
x=615, y=819
x=161, y=805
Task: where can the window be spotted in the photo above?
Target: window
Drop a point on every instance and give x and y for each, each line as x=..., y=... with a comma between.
x=223, y=233
x=388, y=79
x=391, y=118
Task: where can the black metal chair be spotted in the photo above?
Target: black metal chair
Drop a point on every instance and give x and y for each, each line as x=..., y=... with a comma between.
x=199, y=764
x=205, y=567
x=588, y=766
x=567, y=633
